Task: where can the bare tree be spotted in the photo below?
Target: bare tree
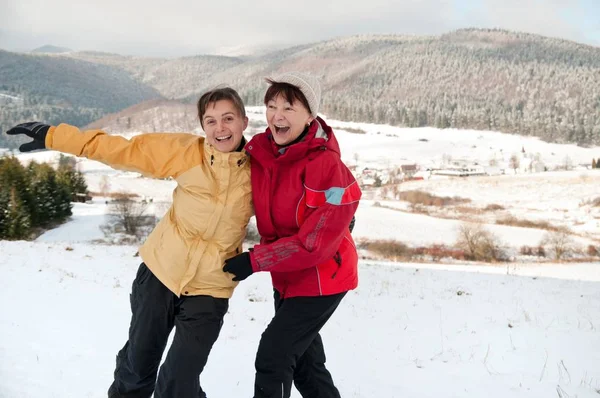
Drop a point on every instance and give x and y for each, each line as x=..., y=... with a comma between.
x=479, y=243
x=129, y=214
x=514, y=162
x=559, y=242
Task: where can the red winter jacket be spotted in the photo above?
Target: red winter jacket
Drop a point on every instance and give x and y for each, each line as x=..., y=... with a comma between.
x=304, y=198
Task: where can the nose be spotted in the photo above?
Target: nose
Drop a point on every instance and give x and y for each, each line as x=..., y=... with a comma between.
x=277, y=114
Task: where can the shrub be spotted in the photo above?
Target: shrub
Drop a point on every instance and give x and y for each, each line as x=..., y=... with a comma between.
x=389, y=249
x=541, y=252
x=532, y=251
x=559, y=242
x=129, y=214
x=526, y=251
x=438, y=252
x=427, y=199
x=479, y=244
x=515, y=222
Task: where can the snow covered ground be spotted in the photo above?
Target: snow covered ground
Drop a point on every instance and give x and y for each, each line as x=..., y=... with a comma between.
x=409, y=330
x=562, y=198
x=417, y=330
x=383, y=145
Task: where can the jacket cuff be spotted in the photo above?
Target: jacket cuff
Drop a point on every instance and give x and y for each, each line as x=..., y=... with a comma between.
x=253, y=262
x=49, y=137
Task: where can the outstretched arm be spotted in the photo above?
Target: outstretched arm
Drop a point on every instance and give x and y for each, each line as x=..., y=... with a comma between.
x=157, y=155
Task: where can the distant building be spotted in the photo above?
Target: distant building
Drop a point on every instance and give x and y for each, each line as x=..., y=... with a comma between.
x=461, y=171
x=409, y=170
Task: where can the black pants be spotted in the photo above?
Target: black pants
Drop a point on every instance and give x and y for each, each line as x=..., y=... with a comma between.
x=291, y=349
x=155, y=311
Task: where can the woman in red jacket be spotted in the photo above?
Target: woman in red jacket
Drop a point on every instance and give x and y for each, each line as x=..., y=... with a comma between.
x=304, y=198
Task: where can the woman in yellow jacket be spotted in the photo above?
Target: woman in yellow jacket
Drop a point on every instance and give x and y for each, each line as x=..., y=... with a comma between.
x=180, y=282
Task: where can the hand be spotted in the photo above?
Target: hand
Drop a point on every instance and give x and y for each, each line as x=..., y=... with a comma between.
x=240, y=266
x=351, y=227
x=35, y=130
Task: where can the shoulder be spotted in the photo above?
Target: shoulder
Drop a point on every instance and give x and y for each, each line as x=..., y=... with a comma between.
x=327, y=169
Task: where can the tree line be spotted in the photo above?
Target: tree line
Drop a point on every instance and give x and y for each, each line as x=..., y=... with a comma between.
x=36, y=196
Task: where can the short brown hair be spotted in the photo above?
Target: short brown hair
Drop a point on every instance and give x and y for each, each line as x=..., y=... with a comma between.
x=219, y=94
x=290, y=92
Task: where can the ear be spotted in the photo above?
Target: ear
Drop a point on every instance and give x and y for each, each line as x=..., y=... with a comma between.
x=310, y=120
x=245, y=123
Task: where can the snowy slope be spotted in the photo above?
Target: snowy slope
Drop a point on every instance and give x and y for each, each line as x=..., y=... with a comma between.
x=384, y=145
x=408, y=330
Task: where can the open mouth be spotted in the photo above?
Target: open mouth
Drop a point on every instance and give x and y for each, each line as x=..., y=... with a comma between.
x=223, y=139
x=281, y=129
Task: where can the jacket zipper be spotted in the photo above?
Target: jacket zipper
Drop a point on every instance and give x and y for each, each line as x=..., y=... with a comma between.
x=338, y=259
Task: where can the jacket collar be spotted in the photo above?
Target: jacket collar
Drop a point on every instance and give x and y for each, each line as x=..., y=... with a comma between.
x=319, y=137
x=215, y=158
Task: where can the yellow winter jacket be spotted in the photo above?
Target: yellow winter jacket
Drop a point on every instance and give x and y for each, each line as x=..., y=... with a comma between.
x=207, y=221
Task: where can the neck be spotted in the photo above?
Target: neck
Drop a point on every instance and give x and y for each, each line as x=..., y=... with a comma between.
x=297, y=140
x=241, y=146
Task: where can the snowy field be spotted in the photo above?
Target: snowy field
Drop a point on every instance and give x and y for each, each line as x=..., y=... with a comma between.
x=383, y=145
x=426, y=330
x=409, y=330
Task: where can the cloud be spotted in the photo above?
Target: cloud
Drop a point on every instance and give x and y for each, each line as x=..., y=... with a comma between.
x=186, y=27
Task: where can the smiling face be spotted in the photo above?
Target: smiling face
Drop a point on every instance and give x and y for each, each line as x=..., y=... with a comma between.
x=223, y=125
x=286, y=120
x=288, y=112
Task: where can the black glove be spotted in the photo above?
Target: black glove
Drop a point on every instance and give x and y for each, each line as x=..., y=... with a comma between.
x=352, y=223
x=35, y=130
x=240, y=266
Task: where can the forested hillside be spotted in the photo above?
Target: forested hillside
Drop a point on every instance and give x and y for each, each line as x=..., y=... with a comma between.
x=469, y=79
x=60, y=89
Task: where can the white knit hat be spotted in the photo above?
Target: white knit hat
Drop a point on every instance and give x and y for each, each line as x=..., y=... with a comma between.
x=309, y=85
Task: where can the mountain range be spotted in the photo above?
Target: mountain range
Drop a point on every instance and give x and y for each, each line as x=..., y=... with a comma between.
x=471, y=79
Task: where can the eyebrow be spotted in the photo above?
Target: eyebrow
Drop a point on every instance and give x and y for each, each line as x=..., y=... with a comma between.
x=212, y=117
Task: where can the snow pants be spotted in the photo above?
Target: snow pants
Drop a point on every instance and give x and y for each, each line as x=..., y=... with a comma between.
x=291, y=349
x=155, y=311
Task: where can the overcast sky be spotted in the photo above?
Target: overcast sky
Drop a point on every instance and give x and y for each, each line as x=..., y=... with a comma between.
x=189, y=27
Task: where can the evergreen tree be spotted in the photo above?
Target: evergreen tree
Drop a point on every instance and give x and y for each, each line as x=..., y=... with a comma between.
x=14, y=175
x=18, y=224
x=46, y=191
x=74, y=180
x=4, y=200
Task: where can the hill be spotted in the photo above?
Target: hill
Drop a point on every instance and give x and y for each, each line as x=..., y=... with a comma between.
x=468, y=79
x=51, y=49
x=56, y=89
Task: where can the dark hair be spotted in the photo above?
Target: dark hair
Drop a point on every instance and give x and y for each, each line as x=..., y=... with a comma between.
x=290, y=92
x=219, y=94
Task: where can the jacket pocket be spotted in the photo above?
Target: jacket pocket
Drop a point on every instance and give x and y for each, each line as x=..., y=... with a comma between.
x=338, y=260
